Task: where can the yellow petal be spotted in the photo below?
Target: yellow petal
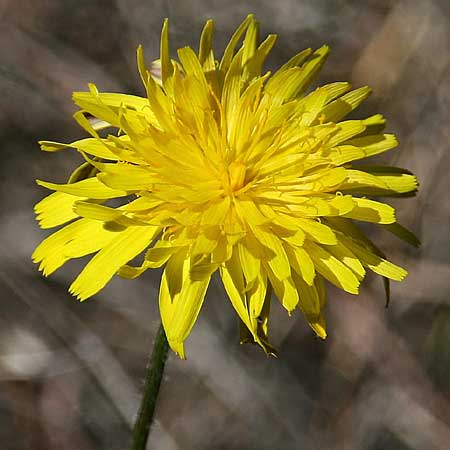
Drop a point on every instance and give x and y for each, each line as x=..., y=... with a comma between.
x=92, y=146
x=80, y=238
x=312, y=105
x=284, y=289
x=201, y=267
x=273, y=253
x=155, y=257
x=317, y=231
x=205, y=51
x=309, y=302
x=205, y=242
x=193, y=67
x=95, y=147
x=399, y=183
x=89, y=188
x=347, y=130
x=180, y=310
x=302, y=263
x=232, y=90
x=108, y=107
x=262, y=331
x=363, y=147
x=250, y=263
x=318, y=323
x=344, y=105
x=102, y=267
x=113, y=99
x=166, y=62
x=104, y=214
x=250, y=42
x=331, y=268
x=288, y=84
x=216, y=212
x=343, y=254
x=132, y=272
x=96, y=212
x=296, y=60
x=254, y=64
x=223, y=250
x=376, y=263
x=121, y=177
x=256, y=295
x=160, y=253
x=249, y=212
x=371, y=211
x=229, y=50
x=336, y=89
x=55, y=209
x=374, y=124
x=368, y=183
x=233, y=281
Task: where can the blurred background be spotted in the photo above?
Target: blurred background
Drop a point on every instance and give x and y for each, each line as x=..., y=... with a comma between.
x=71, y=374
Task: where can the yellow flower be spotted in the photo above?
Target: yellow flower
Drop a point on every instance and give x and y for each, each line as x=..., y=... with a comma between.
x=221, y=168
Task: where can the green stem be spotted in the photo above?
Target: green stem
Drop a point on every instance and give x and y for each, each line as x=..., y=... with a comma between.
x=153, y=377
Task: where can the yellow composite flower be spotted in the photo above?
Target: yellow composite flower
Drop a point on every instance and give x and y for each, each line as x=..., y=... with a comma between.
x=221, y=168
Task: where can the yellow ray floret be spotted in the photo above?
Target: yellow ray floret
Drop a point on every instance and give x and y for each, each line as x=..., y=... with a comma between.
x=222, y=167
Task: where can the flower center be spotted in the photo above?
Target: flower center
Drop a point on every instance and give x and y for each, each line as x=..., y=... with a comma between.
x=236, y=176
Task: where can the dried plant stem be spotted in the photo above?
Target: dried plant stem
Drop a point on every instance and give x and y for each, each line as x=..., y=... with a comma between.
x=153, y=377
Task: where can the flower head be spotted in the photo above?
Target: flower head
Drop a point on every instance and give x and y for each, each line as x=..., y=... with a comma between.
x=222, y=168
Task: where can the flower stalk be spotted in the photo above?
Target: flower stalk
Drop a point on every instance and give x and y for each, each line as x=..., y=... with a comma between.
x=153, y=378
